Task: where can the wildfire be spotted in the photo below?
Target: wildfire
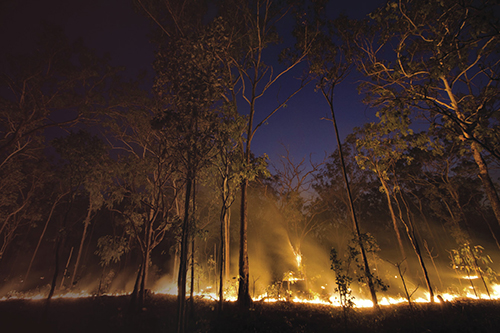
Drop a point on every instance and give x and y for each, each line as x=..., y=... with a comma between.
x=68, y=295
x=298, y=258
x=332, y=300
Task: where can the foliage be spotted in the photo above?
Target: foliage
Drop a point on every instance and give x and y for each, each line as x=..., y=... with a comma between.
x=444, y=64
x=111, y=248
x=350, y=267
x=436, y=61
x=472, y=261
x=343, y=277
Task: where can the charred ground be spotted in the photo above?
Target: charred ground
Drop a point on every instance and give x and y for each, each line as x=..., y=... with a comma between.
x=110, y=314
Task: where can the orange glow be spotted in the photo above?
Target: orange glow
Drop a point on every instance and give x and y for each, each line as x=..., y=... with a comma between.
x=171, y=289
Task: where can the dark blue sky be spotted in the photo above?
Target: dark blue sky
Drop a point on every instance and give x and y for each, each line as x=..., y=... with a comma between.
x=112, y=26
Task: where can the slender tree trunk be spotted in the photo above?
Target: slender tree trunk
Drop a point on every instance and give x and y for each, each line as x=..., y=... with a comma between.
x=429, y=253
x=329, y=98
x=244, y=299
x=82, y=241
x=227, y=249
x=66, y=267
x=424, y=269
x=191, y=288
x=145, y=268
x=393, y=217
x=410, y=231
x=181, y=282
x=191, y=298
x=41, y=237
x=56, y=271
x=368, y=273
x=222, y=259
x=54, y=280
x=177, y=253
x=177, y=249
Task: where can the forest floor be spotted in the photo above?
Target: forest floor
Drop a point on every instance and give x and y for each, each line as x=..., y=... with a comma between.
x=110, y=314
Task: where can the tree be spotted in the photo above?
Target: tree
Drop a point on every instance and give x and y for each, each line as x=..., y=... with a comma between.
x=300, y=210
x=253, y=27
x=58, y=78
x=228, y=165
x=88, y=162
x=329, y=184
x=56, y=86
x=246, y=32
x=188, y=86
x=380, y=147
x=439, y=60
x=380, y=154
x=330, y=68
x=145, y=175
x=20, y=193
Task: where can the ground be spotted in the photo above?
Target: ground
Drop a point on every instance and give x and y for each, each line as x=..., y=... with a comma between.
x=111, y=314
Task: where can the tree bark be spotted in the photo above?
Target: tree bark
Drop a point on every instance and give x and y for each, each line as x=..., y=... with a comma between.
x=368, y=274
x=393, y=217
x=82, y=241
x=244, y=299
x=191, y=292
x=181, y=281
x=145, y=264
x=410, y=231
x=41, y=236
x=222, y=261
x=227, y=250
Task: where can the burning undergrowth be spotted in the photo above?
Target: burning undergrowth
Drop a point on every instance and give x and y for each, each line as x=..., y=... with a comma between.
x=286, y=268
x=110, y=314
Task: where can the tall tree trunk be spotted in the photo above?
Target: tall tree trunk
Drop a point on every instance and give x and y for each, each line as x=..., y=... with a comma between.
x=244, y=299
x=191, y=287
x=145, y=264
x=181, y=281
x=66, y=267
x=368, y=274
x=191, y=292
x=177, y=254
x=56, y=270
x=41, y=237
x=410, y=231
x=429, y=253
x=54, y=280
x=227, y=250
x=82, y=241
x=222, y=253
x=393, y=217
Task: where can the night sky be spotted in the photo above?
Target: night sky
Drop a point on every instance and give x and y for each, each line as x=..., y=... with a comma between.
x=112, y=27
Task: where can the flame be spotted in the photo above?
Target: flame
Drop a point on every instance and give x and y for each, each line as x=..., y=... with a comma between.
x=171, y=289
x=40, y=296
x=298, y=258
